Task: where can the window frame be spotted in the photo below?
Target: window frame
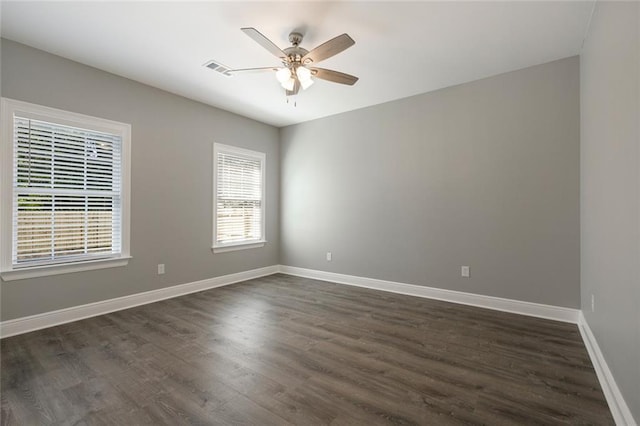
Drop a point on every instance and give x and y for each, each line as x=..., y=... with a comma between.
x=245, y=244
x=10, y=108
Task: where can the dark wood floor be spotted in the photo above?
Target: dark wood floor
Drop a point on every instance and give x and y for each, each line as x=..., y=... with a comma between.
x=285, y=350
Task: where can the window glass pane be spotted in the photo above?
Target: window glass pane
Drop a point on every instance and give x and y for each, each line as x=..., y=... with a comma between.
x=66, y=193
x=239, y=204
x=239, y=220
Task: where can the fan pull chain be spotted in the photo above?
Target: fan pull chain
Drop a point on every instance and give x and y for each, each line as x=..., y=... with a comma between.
x=295, y=101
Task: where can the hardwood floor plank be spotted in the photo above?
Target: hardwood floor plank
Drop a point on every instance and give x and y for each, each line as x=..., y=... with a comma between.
x=285, y=350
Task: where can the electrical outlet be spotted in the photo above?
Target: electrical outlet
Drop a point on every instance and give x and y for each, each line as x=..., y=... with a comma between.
x=328, y=256
x=464, y=271
x=593, y=303
x=160, y=268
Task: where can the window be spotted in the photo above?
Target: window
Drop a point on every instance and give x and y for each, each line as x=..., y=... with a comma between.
x=238, y=198
x=65, y=202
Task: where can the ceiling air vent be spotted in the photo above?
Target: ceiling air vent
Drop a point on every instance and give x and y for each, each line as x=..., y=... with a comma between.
x=218, y=67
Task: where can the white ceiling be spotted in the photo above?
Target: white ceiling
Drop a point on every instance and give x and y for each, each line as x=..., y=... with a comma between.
x=402, y=48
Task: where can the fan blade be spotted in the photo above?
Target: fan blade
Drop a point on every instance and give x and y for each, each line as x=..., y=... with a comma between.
x=264, y=42
x=334, y=76
x=253, y=69
x=328, y=49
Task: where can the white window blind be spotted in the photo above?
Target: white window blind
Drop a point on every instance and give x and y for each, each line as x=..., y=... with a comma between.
x=239, y=192
x=67, y=193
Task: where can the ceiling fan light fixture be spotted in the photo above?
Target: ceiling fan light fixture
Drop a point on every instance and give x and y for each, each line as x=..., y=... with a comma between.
x=304, y=77
x=283, y=75
x=305, y=83
x=289, y=84
x=293, y=74
x=303, y=73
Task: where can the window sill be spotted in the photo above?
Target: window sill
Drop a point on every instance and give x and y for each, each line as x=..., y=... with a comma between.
x=240, y=246
x=64, y=268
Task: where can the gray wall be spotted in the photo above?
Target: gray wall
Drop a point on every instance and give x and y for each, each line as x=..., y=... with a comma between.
x=610, y=190
x=484, y=174
x=171, y=187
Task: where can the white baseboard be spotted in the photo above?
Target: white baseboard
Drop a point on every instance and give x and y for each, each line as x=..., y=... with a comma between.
x=62, y=316
x=619, y=408
x=53, y=318
x=556, y=313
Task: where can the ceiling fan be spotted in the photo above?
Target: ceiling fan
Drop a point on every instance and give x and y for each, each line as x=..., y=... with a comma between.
x=298, y=64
